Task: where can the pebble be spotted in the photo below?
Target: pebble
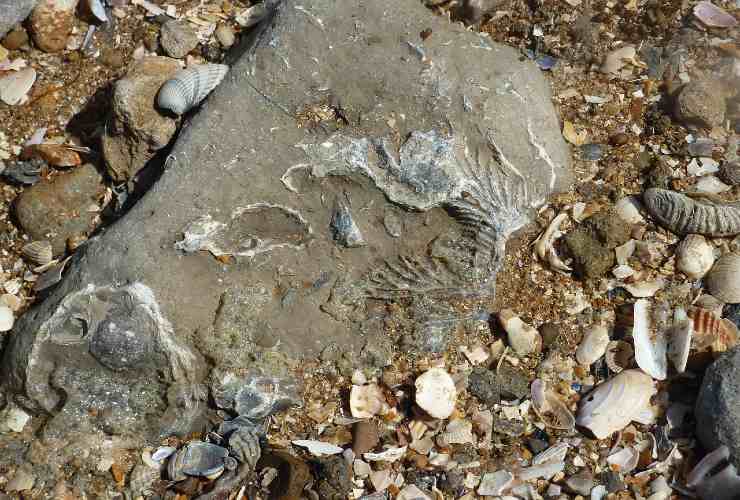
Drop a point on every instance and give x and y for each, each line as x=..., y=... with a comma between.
x=550, y=333
x=619, y=139
x=393, y=224
x=482, y=384
x=51, y=23
x=702, y=103
x=177, y=38
x=16, y=38
x=22, y=480
x=701, y=147
x=365, y=437
x=592, y=152
x=729, y=172
x=334, y=478
x=113, y=58
x=613, y=481
x=513, y=382
x=581, y=483
x=6, y=318
x=225, y=35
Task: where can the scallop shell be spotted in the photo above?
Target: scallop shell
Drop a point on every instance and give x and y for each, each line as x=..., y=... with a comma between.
x=694, y=256
x=436, y=393
x=711, y=332
x=593, y=345
x=619, y=355
x=611, y=406
x=650, y=342
x=188, y=87
x=722, y=281
x=682, y=214
x=38, y=252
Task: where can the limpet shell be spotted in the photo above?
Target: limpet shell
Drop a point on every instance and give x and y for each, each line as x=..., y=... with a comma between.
x=593, y=345
x=694, y=256
x=188, y=87
x=612, y=405
x=38, y=252
x=722, y=281
x=619, y=355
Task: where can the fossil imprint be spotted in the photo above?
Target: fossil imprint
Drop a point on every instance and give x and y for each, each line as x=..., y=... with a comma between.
x=695, y=214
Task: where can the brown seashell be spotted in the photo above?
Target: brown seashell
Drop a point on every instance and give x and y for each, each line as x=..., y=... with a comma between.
x=711, y=332
x=38, y=252
x=57, y=155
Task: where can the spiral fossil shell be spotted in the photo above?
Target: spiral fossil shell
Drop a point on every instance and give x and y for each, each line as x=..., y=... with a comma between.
x=682, y=214
x=188, y=87
x=722, y=281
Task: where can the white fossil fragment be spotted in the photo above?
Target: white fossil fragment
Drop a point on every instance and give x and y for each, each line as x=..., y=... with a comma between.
x=318, y=448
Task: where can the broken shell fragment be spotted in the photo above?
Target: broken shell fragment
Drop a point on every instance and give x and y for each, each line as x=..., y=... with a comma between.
x=436, y=393
x=722, y=281
x=619, y=355
x=624, y=460
x=694, y=256
x=15, y=86
x=713, y=16
x=188, y=87
x=593, y=345
x=616, y=59
x=628, y=209
x=681, y=333
x=457, y=432
x=318, y=448
x=548, y=406
x=38, y=252
x=612, y=405
x=366, y=401
x=199, y=459
x=650, y=342
x=523, y=338
x=545, y=244
x=710, y=332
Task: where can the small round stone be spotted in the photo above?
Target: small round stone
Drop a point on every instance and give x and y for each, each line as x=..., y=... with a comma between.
x=177, y=38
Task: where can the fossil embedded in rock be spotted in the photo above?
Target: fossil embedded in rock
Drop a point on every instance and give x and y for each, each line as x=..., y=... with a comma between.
x=615, y=403
x=698, y=214
x=436, y=393
x=344, y=228
x=188, y=87
x=722, y=280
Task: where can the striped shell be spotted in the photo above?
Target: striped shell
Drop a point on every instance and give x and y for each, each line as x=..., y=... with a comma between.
x=711, y=332
x=38, y=252
x=722, y=281
x=682, y=214
x=188, y=87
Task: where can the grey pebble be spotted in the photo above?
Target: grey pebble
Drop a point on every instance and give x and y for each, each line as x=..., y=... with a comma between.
x=581, y=483
x=393, y=224
x=701, y=147
x=592, y=152
x=729, y=172
x=177, y=38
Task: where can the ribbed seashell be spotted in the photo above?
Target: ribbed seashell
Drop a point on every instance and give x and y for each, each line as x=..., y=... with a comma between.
x=650, y=342
x=682, y=214
x=188, y=87
x=723, y=280
x=694, y=256
x=619, y=355
x=611, y=406
x=711, y=332
x=593, y=345
x=38, y=252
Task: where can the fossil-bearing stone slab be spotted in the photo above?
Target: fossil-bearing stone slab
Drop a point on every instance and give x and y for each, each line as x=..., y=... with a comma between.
x=237, y=249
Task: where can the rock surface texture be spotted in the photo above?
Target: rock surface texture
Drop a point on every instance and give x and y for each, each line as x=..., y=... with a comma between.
x=13, y=12
x=718, y=406
x=330, y=104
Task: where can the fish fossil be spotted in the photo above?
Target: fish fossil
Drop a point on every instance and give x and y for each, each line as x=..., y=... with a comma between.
x=693, y=214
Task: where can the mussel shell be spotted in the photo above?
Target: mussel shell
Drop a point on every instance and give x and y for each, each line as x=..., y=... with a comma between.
x=198, y=459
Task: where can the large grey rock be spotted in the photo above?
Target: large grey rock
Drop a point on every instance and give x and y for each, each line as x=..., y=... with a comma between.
x=718, y=405
x=13, y=12
x=331, y=101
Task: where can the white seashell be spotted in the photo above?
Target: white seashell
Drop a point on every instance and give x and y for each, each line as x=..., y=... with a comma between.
x=681, y=333
x=436, y=393
x=555, y=453
x=722, y=280
x=366, y=401
x=476, y=355
x=702, y=166
x=188, y=87
x=523, y=338
x=494, y=483
x=713, y=16
x=619, y=355
x=544, y=244
x=163, y=453
x=706, y=464
x=6, y=318
x=625, y=460
x=628, y=209
x=457, y=432
x=612, y=405
x=38, y=252
x=624, y=252
x=318, y=448
x=389, y=455
x=694, y=256
x=593, y=345
x=15, y=86
x=13, y=418
x=623, y=271
x=650, y=344
x=644, y=288
x=711, y=184
x=98, y=10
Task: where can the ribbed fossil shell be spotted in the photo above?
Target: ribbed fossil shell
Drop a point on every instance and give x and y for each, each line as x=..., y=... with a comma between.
x=682, y=214
x=611, y=406
x=38, y=252
x=593, y=345
x=619, y=355
x=723, y=281
x=188, y=87
x=711, y=332
x=694, y=256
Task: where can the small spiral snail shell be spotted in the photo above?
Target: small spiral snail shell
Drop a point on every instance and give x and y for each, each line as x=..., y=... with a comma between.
x=188, y=87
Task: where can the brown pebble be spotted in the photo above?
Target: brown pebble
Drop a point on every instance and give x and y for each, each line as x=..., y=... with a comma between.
x=15, y=39
x=619, y=139
x=426, y=33
x=366, y=437
x=112, y=58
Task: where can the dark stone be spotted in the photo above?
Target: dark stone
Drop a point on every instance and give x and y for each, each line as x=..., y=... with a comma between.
x=537, y=445
x=334, y=478
x=659, y=175
x=482, y=384
x=293, y=474
x=592, y=152
x=550, y=333
x=123, y=341
x=513, y=382
x=590, y=258
x=613, y=481
x=581, y=483
x=608, y=228
x=365, y=436
x=452, y=483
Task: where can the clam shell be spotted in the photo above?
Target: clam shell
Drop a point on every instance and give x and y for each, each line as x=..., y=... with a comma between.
x=722, y=281
x=38, y=252
x=612, y=405
x=548, y=406
x=366, y=401
x=555, y=453
x=650, y=342
x=197, y=458
x=188, y=87
x=619, y=355
x=436, y=393
x=593, y=345
x=694, y=256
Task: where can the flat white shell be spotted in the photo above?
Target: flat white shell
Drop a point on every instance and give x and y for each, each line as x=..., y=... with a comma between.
x=722, y=281
x=16, y=85
x=593, y=345
x=494, y=483
x=436, y=393
x=694, y=256
x=318, y=448
x=188, y=87
x=389, y=455
x=612, y=405
x=650, y=345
